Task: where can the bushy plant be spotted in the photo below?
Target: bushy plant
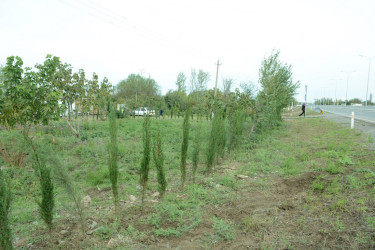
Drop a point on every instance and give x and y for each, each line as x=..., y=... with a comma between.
x=112, y=155
x=12, y=148
x=236, y=125
x=159, y=157
x=5, y=200
x=221, y=138
x=184, y=147
x=145, y=164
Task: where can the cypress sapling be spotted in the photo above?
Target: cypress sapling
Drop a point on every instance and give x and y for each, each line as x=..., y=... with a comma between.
x=63, y=179
x=159, y=157
x=197, y=142
x=216, y=122
x=5, y=200
x=145, y=164
x=47, y=204
x=184, y=147
x=112, y=155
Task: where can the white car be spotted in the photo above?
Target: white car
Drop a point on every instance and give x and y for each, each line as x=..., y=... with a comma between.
x=144, y=111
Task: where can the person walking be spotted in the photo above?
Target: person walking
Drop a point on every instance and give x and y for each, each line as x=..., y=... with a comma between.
x=303, y=110
x=161, y=113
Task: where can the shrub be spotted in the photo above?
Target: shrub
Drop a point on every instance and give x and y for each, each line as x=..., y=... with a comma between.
x=5, y=200
x=223, y=229
x=236, y=125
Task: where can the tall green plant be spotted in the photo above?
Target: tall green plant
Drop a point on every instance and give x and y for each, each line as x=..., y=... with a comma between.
x=159, y=157
x=145, y=164
x=216, y=124
x=64, y=181
x=197, y=144
x=222, y=138
x=277, y=90
x=112, y=155
x=236, y=125
x=5, y=200
x=47, y=203
x=184, y=147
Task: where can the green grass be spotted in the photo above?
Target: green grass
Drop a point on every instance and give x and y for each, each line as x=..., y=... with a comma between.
x=339, y=166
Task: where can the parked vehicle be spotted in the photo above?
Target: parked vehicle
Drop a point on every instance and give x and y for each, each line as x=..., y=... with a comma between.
x=144, y=111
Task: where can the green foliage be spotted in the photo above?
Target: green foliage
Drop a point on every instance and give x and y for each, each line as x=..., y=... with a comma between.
x=277, y=90
x=346, y=160
x=159, y=157
x=98, y=176
x=113, y=155
x=13, y=148
x=184, y=146
x=223, y=229
x=196, y=150
x=289, y=167
x=63, y=179
x=318, y=185
x=145, y=164
x=216, y=127
x=333, y=169
x=47, y=203
x=236, y=122
x=5, y=201
x=28, y=98
x=222, y=138
x=138, y=89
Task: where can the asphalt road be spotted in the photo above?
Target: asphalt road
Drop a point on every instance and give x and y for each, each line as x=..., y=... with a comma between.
x=363, y=113
x=364, y=119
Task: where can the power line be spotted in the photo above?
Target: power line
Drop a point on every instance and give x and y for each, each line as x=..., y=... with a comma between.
x=118, y=20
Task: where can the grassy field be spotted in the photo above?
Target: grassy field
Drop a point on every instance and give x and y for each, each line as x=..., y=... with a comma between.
x=309, y=184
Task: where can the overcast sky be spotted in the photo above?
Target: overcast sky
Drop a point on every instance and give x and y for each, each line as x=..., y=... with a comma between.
x=160, y=38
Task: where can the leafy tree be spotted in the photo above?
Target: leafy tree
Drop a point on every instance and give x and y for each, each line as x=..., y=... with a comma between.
x=277, y=89
x=27, y=97
x=137, y=87
x=176, y=101
x=181, y=82
x=198, y=81
x=93, y=91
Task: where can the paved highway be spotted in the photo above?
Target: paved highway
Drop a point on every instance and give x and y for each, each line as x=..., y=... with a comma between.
x=360, y=112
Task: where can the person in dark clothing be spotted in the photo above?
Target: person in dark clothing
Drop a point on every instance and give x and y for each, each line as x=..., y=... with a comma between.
x=303, y=110
x=161, y=113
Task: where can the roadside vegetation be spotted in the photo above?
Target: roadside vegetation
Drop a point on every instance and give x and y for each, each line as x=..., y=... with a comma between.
x=221, y=171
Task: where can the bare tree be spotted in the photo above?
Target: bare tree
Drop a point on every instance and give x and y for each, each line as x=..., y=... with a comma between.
x=227, y=84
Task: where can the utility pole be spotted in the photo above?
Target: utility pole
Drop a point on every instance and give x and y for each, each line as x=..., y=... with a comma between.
x=217, y=74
